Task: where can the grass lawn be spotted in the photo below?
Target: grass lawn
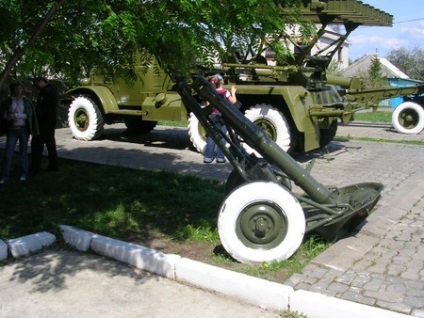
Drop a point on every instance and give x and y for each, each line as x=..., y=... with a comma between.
x=175, y=213
x=379, y=116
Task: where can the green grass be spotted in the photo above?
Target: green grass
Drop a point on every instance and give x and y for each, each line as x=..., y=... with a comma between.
x=112, y=201
x=374, y=117
x=134, y=206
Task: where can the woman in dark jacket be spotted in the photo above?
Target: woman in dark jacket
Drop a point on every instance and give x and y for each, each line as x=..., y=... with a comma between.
x=18, y=121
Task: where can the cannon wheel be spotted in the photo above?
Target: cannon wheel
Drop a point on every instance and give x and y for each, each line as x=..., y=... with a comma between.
x=273, y=122
x=197, y=133
x=85, y=119
x=261, y=222
x=408, y=118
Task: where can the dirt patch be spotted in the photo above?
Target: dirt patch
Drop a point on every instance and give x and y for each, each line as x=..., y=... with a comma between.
x=215, y=254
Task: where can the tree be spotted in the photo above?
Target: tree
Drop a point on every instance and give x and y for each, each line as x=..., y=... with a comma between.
x=375, y=75
x=409, y=61
x=73, y=37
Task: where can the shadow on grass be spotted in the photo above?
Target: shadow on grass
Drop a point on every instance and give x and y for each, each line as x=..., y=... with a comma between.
x=111, y=201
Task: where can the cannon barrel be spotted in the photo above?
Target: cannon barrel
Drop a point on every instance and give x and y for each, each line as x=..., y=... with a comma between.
x=255, y=137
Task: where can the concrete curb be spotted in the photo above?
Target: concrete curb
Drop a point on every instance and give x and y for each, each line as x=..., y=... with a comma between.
x=3, y=250
x=256, y=291
x=30, y=243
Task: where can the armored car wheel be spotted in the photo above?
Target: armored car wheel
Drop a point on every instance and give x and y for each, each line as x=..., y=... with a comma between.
x=327, y=135
x=197, y=133
x=273, y=122
x=408, y=118
x=261, y=222
x=85, y=119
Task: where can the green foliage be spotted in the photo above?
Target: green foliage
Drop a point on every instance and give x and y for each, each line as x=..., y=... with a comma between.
x=292, y=314
x=409, y=61
x=375, y=75
x=83, y=35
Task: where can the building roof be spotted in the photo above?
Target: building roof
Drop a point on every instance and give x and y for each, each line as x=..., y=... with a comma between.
x=363, y=64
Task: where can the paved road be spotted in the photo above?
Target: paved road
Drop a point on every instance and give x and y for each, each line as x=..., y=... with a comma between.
x=83, y=285
x=382, y=265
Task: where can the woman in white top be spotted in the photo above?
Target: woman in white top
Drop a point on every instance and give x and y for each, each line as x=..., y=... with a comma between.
x=18, y=121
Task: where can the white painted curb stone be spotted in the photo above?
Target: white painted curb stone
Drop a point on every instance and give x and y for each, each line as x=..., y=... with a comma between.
x=139, y=256
x=3, y=250
x=30, y=243
x=266, y=294
x=251, y=289
x=79, y=239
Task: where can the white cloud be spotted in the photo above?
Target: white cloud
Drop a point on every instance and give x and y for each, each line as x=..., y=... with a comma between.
x=362, y=41
x=415, y=31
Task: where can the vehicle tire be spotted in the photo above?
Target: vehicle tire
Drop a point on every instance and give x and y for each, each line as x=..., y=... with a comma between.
x=327, y=135
x=137, y=126
x=85, y=119
x=408, y=118
x=273, y=122
x=261, y=222
x=197, y=133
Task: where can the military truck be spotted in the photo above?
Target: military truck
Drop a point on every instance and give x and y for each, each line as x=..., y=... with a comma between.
x=298, y=105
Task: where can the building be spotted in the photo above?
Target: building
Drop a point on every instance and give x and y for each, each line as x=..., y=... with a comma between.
x=362, y=65
x=395, y=77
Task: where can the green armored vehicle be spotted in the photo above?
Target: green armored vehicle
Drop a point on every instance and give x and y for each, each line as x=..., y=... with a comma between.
x=297, y=104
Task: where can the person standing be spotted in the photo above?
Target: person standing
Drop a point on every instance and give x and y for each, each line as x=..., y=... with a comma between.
x=46, y=111
x=18, y=122
x=211, y=149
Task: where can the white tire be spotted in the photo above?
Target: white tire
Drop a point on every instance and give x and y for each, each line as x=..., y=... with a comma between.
x=85, y=119
x=197, y=133
x=261, y=222
x=408, y=118
x=273, y=122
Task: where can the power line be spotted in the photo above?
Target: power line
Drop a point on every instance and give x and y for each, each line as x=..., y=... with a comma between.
x=406, y=21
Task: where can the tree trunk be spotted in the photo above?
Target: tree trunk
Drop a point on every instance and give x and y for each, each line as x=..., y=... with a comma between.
x=17, y=55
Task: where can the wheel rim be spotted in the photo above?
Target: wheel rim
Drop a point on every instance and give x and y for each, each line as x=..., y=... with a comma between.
x=268, y=127
x=409, y=118
x=81, y=119
x=262, y=225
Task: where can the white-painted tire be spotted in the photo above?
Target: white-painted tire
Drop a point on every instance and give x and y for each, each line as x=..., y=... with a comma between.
x=85, y=119
x=408, y=118
x=273, y=122
x=197, y=133
x=261, y=222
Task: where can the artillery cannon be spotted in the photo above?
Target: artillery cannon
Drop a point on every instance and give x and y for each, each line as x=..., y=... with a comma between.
x=261, y=220
x=408, y=117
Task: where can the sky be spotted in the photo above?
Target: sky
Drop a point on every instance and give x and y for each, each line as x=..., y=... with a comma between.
x=407, y=30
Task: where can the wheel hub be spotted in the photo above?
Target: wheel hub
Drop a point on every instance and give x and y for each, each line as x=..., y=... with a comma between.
x=409, y=119
x=268, y=127
x=262, y=225
x=81, y=119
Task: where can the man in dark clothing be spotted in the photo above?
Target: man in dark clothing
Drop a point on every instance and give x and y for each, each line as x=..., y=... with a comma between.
x=46, y=111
